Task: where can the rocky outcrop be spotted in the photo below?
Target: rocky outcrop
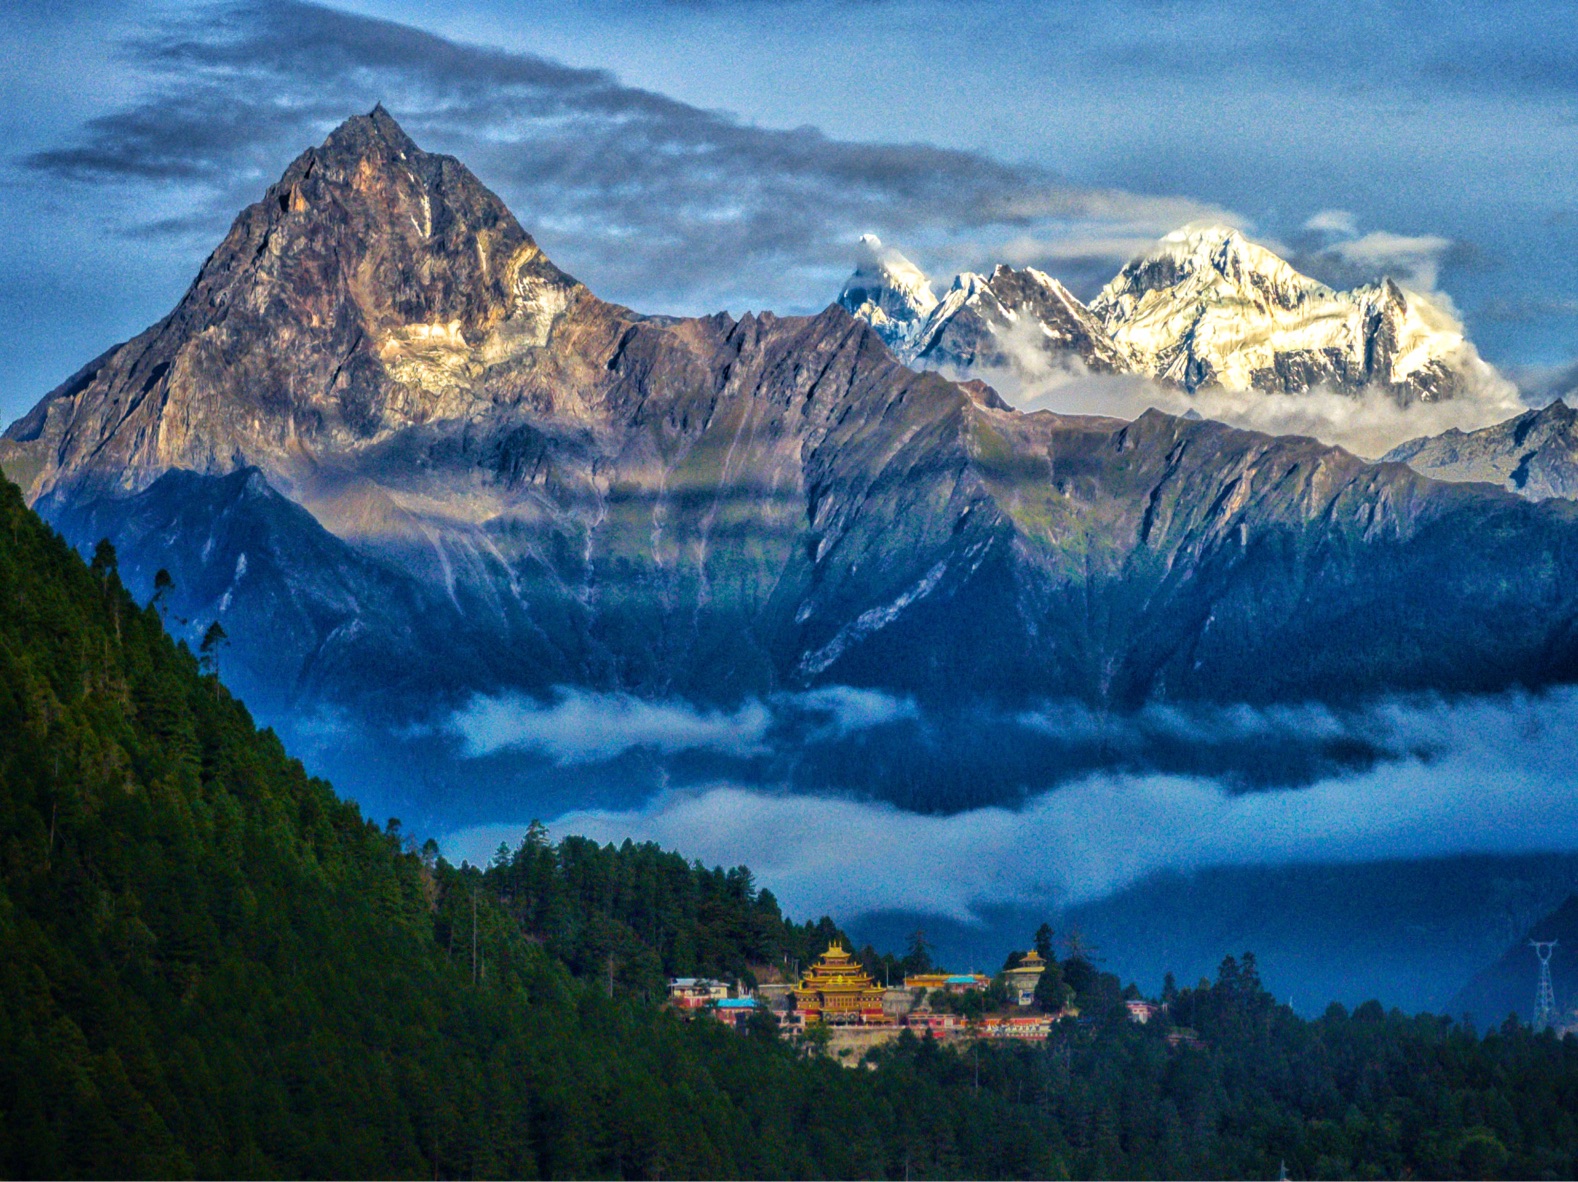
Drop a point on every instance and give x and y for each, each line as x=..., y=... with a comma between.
x=1534, y=455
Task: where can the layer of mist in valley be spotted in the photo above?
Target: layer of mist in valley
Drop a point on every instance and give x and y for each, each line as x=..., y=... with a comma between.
x=1389, y=850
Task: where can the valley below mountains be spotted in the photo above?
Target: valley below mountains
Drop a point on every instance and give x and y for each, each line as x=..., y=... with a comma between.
x=406, y=460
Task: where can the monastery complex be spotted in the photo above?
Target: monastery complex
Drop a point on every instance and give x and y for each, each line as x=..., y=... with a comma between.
x=838, y=992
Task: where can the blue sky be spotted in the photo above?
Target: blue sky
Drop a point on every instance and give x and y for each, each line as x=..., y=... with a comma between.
x=690, y=156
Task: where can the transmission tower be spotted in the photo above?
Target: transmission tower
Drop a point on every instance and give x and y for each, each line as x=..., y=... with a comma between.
x=1545, y=999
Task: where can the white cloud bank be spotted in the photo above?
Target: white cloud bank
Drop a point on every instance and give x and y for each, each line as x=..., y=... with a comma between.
x=580, y=727
x=1501, y=780
x=1368, y=424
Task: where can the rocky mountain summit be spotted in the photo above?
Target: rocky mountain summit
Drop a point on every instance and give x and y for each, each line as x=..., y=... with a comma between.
x=406, y=459
x=1205, y=308
x=373, y=289
x=1534, y=455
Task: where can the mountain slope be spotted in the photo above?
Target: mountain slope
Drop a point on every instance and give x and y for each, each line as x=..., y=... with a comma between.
x=1509, y=986
x=510, y=484
x=1534, y=455
x=215, y=967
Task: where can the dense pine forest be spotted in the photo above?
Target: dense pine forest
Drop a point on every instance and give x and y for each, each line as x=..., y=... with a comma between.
x=214, y=966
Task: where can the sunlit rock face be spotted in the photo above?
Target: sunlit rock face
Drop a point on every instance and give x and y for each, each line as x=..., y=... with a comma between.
x=375, y=287
x=404, y=458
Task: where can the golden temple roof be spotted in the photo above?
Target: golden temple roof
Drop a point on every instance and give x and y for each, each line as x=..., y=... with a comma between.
x=836, y=971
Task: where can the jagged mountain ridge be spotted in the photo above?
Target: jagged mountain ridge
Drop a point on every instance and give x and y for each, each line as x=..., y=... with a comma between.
x=1010, y=319
x=1534, y=455
x=1205, y=308
x=509, y=483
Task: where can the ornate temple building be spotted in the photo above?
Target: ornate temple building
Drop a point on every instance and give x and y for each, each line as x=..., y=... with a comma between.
x=838, y=990
x=1024, y=977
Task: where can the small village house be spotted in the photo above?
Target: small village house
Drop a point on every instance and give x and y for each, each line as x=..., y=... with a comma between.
x=734, y=1011
x=695, y=993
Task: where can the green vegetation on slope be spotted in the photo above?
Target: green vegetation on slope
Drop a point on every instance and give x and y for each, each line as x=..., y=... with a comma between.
x=645, y=914
x=214, y=966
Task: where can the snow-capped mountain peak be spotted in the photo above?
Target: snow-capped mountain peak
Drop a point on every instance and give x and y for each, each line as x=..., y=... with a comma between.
x=889, y=291
x=1208, y=262
x=1208, y=307
x=981, y=322
x=1205, y=307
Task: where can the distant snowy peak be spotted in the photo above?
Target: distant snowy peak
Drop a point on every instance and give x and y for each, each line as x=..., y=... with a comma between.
x=1021, y=319
x=1018, y=319
x=889, y=292
x=1209, y=264
x=1205, y=308
x=1208, y=307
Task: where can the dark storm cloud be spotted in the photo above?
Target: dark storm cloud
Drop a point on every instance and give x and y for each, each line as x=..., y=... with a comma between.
x=645, y=197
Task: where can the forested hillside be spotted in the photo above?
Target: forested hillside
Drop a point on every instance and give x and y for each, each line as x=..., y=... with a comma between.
x=214, y=966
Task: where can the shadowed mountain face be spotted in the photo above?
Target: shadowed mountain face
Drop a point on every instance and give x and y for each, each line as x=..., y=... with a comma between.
x=1534, y=455
x=1511, y=984
x=404, y=458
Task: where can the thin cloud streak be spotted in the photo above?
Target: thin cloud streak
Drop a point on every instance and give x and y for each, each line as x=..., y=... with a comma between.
x=587, y=728
x=580, y=727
